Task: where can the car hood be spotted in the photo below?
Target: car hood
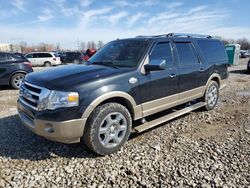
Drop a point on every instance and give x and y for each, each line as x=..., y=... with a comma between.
x=69, y=76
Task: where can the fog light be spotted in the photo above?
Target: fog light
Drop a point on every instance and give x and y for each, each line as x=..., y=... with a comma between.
x=49, y=128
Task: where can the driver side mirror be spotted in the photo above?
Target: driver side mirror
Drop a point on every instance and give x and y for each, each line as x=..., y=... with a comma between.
x=155, y=65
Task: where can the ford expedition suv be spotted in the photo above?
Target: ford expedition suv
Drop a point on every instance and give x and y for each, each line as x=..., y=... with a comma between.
x=122, y=88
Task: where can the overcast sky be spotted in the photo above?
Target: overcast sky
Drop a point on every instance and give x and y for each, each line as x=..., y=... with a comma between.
x=66, y=21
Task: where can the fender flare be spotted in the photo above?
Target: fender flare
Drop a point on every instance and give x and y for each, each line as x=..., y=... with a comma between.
x=137, y=111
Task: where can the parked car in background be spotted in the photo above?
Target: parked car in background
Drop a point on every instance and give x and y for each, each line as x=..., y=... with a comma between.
x=244, y=53
x=46, y=59
x=121, y=86
x=88, y=54
x=72, y=57
x=13, y=68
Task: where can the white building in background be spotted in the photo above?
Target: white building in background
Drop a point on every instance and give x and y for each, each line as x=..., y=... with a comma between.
x=10, y=48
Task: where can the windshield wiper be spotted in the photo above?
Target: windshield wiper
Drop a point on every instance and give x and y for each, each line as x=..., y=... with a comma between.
x=105, y=63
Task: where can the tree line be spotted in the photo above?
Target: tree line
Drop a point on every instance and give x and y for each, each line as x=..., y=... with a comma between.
x=243, y=42
x=45, y=47
x=83, y=46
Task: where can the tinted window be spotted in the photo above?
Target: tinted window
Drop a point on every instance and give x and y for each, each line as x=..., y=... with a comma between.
x=121, y=53
x=213, y=50
x=3, y=57
x=186, y=53
x=9, y=58
x=29, y=56
x=162, y=51
x=44, y=55
x=18, y=56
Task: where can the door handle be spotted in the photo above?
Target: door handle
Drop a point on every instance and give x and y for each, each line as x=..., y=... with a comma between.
x=201, y=70
x=172, y=75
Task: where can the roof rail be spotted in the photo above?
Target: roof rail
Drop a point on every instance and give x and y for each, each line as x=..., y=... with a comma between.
x=177, y=35
x=188, y=35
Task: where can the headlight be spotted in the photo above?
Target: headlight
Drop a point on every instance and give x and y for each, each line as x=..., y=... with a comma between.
x=58, y=99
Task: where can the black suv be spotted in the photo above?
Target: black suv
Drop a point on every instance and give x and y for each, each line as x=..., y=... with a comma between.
x=72, y=57
x=13, y=68
x=121, y=87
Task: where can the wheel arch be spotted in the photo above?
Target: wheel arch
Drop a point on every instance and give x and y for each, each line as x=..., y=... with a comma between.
x=214, y=77
x=116, y=96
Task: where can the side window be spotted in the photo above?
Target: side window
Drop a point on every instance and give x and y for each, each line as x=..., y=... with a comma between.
x=9, y=58
x=213, y=50
x=162, y=51
x=29, y=56
x=2, y=57
x=186, y=53
x=36, y=55
x=47, y=55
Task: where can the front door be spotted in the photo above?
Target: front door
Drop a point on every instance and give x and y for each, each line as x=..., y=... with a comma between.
x=159, y=88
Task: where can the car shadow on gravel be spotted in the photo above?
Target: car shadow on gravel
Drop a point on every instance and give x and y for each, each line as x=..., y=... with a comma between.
x=242, y=71
x=17, y=142
x=2, y=88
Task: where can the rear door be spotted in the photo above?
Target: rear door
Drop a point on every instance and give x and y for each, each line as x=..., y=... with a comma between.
x=159, y=89
x=190, y=69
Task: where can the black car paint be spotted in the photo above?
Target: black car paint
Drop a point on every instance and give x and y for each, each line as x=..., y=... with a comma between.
x=91, y=81
x=9, y=68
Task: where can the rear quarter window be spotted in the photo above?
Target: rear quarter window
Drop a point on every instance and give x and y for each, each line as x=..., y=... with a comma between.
x=213, y=50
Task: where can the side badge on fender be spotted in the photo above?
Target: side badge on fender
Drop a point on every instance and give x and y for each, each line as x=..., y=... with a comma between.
x=133, y=80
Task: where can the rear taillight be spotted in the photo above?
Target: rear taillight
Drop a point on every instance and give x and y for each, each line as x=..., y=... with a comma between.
x=28, y=64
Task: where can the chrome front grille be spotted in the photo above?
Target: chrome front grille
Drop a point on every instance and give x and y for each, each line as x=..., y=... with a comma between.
x=30, y=94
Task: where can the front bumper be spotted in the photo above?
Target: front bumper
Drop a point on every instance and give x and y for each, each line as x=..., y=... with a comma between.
x=65, y=131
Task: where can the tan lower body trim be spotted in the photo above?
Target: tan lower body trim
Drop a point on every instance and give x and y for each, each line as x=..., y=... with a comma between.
x=158, y=105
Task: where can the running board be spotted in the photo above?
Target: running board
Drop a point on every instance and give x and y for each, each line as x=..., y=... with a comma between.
x=173, y=115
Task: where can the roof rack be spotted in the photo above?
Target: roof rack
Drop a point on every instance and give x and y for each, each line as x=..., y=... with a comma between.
x=177, y=35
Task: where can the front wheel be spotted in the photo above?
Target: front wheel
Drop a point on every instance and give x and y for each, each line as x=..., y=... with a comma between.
x=16, y=80
x=108, y=128
x=211, y=95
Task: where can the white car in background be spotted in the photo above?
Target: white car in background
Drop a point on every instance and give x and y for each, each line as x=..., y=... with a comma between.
x=46, y=59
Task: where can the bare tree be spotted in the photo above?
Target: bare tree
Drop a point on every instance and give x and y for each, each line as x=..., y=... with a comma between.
x=100, y=44
x=244, y=43
x=83, y=45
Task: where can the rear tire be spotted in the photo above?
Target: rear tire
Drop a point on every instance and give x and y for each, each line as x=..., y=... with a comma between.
x=16, y=80
x=47, y=64
x=108, y=128
x=211, y=96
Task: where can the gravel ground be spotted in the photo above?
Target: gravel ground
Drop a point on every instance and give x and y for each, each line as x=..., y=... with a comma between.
x=201, y=149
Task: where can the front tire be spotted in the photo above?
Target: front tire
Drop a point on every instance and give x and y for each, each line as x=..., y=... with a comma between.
x=211, y=95
x=16, y=80
x=108, y=128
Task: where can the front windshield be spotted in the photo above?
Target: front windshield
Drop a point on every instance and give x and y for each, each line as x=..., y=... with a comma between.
x=120, y=53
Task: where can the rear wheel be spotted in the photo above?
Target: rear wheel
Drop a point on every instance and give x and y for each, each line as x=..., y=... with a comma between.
x=47, y=64
x=108, y=128
x=211, y=95
x=16, y=80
